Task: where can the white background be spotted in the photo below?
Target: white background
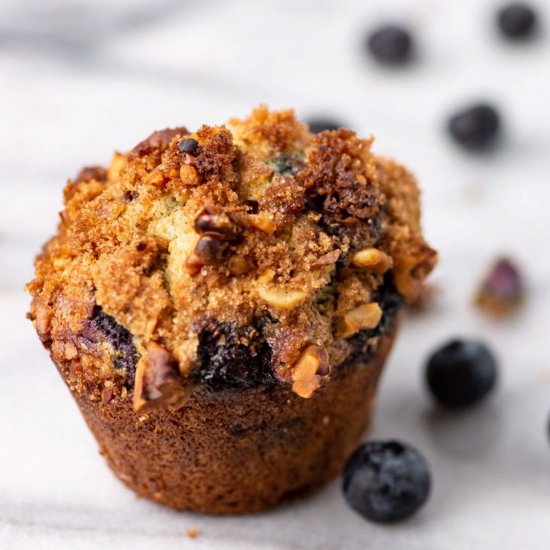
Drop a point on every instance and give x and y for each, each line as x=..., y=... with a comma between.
x=79, y=79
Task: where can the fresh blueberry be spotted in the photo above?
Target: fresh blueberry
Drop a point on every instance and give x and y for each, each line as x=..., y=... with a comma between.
x=461, y=373
x=188, y=145
x=517, y=20
x=475, y=127
x=386, y=481
x=391, y=45
x=320, y=124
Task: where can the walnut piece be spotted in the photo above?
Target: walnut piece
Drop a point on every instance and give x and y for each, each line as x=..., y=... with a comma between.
x=70, y=351
x=118, y=162
x=238, y=265
x=188, y=175
x=309, y=370
x=156, y=178
x=327, y=259
x=262, y=222
x=411, y=269
x=210, y=249
x=212, y=220
x=363, y=317
x=91, y=173
x=276, y=296
x=373, y=259
x=42, y=320
x=158, y=384
x=218, y=233
x=281, y=298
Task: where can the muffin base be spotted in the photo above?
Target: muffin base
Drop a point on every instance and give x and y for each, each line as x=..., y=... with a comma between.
x=239, y=451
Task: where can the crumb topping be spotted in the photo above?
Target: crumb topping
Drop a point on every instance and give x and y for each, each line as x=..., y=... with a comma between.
x=229, y=256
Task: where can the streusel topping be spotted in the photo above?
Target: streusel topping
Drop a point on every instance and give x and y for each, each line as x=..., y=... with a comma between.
x=234, y=255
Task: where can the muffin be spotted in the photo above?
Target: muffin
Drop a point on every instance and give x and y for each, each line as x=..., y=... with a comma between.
x=220, y=304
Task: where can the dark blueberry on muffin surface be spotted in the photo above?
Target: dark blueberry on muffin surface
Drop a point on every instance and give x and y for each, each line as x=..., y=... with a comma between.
x=125, y=355
x=188, y=145
x=232, y=358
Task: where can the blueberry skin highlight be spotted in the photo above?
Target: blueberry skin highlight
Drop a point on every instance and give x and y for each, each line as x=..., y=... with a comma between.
x=461, y=373
x=386, y=481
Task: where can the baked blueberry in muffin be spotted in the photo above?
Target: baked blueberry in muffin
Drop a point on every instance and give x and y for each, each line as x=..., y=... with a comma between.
x=220, y=304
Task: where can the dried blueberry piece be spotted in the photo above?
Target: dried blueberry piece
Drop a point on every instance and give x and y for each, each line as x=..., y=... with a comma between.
x=386, y=481
x=517, y=20
x=188, y=145
x=475, y=127
x=232, y=357
x=320, y=124
x=502, y=290
x=461, y=373
x=120, y=338
x=391, y=44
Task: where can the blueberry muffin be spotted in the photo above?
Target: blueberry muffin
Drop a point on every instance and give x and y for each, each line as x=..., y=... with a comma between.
x=220, y=304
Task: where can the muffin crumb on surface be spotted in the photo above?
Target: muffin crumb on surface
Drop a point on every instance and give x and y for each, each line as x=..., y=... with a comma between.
x=193, y=533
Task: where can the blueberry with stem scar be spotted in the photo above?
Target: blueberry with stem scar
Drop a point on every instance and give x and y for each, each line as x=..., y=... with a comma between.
x=386, y=481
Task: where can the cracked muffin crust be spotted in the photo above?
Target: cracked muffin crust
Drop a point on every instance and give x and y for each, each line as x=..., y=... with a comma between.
x=203, y=273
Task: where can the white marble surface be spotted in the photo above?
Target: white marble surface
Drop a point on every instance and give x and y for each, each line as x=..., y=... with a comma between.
x=81, y=78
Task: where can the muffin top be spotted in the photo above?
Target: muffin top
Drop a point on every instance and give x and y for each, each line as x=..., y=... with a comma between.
x=237, y=255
